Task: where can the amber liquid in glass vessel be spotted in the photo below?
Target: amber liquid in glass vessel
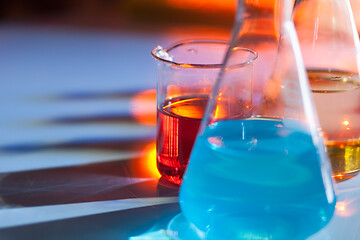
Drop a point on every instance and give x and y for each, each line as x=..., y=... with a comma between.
x=178, y=123
x=337, y=99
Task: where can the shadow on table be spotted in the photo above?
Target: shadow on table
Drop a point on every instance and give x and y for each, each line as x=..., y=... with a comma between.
x=131, y=176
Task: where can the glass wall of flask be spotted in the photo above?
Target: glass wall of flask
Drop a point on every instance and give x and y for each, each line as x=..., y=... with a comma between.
x=330, y=48
x=259, y=167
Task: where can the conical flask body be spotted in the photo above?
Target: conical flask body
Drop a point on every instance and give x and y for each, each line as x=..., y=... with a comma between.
x=259, y=170
x=330, y=49
x=254, y=169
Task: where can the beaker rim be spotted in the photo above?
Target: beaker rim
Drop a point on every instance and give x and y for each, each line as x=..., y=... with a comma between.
x=200, y=65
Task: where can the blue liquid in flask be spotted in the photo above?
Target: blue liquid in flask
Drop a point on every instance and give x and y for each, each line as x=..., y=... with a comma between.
x=257, y=178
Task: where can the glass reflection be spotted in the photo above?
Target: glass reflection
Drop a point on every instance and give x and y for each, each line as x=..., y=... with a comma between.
x=143, y=107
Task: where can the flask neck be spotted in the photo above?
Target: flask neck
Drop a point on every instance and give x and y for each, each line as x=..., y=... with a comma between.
x=263, y=19
x=259, y=22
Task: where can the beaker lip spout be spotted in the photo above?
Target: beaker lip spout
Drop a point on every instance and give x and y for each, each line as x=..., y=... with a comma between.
x=162, y=54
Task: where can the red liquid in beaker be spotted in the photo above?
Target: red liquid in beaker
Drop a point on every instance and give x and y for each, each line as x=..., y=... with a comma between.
x=178, y=123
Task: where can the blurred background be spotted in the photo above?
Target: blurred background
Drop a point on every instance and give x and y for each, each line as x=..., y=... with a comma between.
x=133, y=15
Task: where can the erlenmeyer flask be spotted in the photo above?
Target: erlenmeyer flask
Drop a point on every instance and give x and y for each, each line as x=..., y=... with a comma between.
x=260, y=171
x=330, y=49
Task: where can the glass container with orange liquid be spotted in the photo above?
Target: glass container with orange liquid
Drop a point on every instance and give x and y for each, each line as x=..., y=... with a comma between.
x=187, y=72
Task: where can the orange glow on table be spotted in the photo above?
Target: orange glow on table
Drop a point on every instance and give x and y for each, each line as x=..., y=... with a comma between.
x=146, y=166
x=143, y=107
x=150, y=160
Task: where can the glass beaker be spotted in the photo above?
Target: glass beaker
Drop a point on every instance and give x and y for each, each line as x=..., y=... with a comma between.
x=186, y=74
x=263, y=174
x=330, y=48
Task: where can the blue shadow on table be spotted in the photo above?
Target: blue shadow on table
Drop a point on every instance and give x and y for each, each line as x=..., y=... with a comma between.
x=97, y=184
